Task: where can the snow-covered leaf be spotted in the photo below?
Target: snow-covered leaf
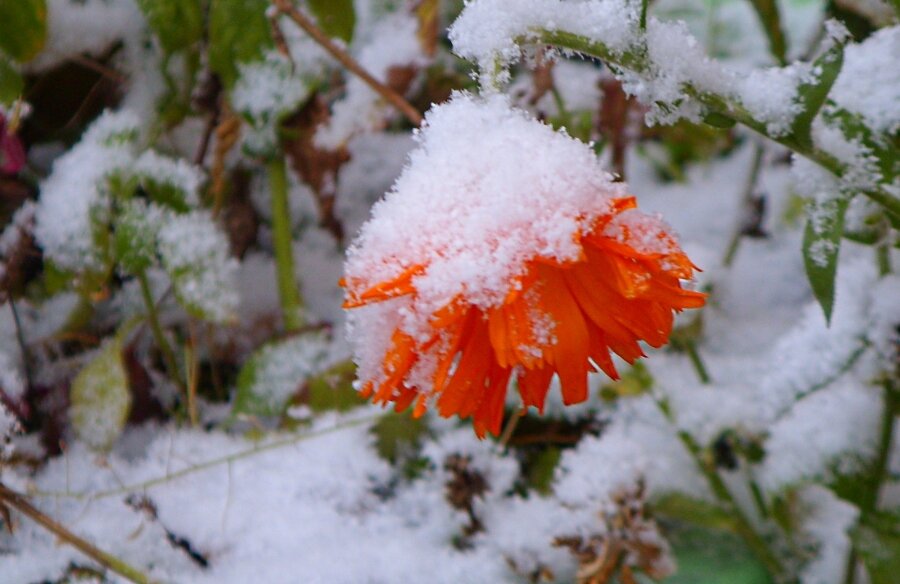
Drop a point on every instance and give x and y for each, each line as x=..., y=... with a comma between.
x=195, y=254
x=821, y=244
x=100, y=397
x=812, y=92
x=136, y=229
x=279, y=370
x=23, y=28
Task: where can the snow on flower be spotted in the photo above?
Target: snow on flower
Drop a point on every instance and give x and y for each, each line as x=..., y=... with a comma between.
x=504, y=249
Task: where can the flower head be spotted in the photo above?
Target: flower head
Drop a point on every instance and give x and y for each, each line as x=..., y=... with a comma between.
x=505, y=252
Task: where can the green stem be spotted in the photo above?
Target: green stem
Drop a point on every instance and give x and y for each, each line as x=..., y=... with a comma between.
x=288, y=291
x=868, y=502
x=742, y=523
x=746, y=201
x=158, y=334
x=723, y=105
x=690, y=348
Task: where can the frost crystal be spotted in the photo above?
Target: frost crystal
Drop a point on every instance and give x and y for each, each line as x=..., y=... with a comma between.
x=73, y=193
x=195, y=254
x=487, y=189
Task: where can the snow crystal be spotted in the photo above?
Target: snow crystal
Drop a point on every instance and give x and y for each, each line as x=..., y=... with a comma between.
x=844, y=420
x=283, y=367
x=827, y=521
x=76, y=27
x=394, y=43
x=639, y=444
x=792, y=372
x=770, y=95
x=195, y=252
x=74, y=191
x=488, y=31
x=12, y=385
x=487, y=189
x=176, y=172
x=9, y=426
x=869, y=82
x=264, y=93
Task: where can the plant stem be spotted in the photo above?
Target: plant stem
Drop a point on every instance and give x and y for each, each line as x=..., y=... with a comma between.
x=23, y=346
x=343, y=57
x=105, y=559
x=158, y=334
x=288, y=291
x=746, y=201
x=868, y=502
x=690, y=348
x=743, y=526
x=635, y=60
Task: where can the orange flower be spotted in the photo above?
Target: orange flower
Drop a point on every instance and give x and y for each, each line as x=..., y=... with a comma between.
x=504, y=251
x=559, y=318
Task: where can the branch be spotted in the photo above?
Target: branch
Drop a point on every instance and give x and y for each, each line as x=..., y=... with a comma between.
x=636, y=60
x=108, y=561
x=286, y=7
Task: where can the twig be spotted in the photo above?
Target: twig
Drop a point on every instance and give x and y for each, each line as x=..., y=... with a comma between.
x=23, y=347
x=155, y=326
x=746, y=201
x=343, y=57
x=510, y=428
x=105, y=559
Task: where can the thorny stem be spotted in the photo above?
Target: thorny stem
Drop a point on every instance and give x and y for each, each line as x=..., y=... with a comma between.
x=288, y=292
x=343, y=57
x=105, y=559
x=635, y=60
x=155, y=326
x=743, y=526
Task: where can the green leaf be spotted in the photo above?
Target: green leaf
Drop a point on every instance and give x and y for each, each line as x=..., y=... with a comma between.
x=100, y=398
x=713, y=557
x=877, y=540
x=542, y=469
x=23, y=28
x=333, y=389
x=195, y=254
x=821, y=245
x=238, y=33
x=335, y=17
x=177, y=23
x=718, y=120
x=812, y=94
x=694, y=511
x=398, y=435
x=281, y=371
x=11, y=83
x=636, y=381
x=769, y=17
x=135, y=236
